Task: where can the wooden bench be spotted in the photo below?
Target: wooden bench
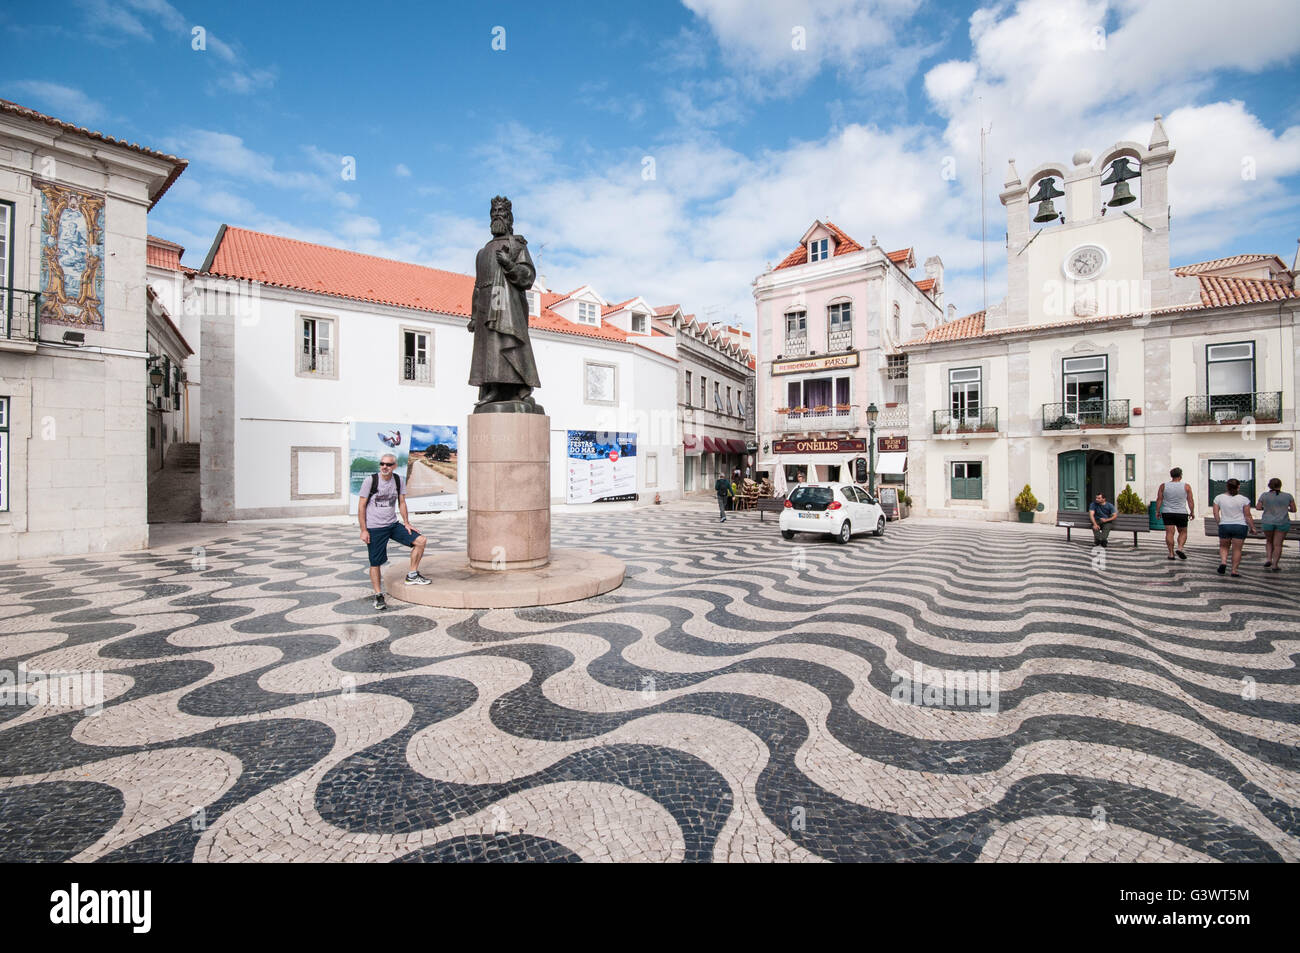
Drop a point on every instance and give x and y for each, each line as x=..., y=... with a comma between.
x=769, y=504
x=1124, y=523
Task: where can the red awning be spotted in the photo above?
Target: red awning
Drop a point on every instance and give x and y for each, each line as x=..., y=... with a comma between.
x=711, y=446
x=691, y=444
x=736, y=444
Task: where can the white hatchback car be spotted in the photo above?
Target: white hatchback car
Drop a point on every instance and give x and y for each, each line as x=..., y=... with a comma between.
x=837, y=509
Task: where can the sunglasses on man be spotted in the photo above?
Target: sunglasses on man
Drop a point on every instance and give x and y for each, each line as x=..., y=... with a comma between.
x=388, y=464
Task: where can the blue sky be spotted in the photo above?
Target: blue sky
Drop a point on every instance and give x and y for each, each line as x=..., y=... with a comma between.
x=672, y=149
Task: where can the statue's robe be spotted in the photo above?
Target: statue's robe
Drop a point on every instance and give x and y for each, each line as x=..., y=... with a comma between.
x=502, y=351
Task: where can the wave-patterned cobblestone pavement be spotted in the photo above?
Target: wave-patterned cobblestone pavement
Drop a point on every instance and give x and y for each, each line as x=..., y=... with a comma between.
x=740, y=697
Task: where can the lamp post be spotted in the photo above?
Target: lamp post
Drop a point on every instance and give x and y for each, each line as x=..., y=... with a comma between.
x=872, y=413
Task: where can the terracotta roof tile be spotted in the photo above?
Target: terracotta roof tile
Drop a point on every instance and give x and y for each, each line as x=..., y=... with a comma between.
x=1219, y=291
x=903, y=255
x=970, y=326
x=178, y=164
x=925, y=284
x=667, y=309
x=303, y=266
x=843, y=246
x=610, y=309
x=161, y=253
x=1199, y=267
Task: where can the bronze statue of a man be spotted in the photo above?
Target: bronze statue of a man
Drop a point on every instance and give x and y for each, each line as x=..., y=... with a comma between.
x=502, y=367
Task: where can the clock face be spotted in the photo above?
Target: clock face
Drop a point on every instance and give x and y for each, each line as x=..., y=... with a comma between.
x=1085, y=262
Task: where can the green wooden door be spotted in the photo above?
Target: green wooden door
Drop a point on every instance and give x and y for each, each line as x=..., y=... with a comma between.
x=1072, y=474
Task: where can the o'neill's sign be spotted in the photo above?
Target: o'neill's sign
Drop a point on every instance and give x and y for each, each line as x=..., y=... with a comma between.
x=827, y=363
x=830, y=445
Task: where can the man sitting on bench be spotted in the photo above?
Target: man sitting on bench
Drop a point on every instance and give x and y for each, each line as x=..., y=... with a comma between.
x=1102, y=515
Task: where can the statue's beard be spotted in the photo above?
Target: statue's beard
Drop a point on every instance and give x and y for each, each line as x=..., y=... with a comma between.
x=500, y=226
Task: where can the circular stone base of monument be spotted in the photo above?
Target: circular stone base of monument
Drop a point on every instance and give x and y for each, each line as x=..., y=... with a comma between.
x=572, y=574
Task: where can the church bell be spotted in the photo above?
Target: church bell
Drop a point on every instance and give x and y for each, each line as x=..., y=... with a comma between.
x=1047, y=191
x=1120, y=171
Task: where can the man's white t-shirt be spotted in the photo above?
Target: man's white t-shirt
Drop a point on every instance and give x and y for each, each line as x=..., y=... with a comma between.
x=1232, y=509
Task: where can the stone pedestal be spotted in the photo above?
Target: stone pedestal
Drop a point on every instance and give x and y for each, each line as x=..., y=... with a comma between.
x=509, y=491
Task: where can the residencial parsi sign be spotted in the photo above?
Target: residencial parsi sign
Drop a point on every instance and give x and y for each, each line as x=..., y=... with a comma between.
x=830, y=362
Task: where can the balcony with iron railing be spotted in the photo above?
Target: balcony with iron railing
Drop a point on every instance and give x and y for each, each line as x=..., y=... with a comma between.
x=1085, y=414
x=1264, y=407
x=316, y=360
x=983, y=421
x=796, y=345
x=893, y=418
x=839, y=339
x=20, y=318
x=823, y=417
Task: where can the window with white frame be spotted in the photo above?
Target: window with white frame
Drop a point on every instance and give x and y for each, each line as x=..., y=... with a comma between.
x=1084, y=381
x=964, y=393
x=6, y=252
x=704, y=391
x=839, y=321
x=4, y=454
x=417, y=368
x=717, y=396
x=534, y=302
x=898, y=323
x=688, y=388
x=588, y=313
x=1221, y=471
x=638, y=323
x=820, y=396
x=601, y=383
x=1230, y=375
x=818, y=249
x=317, y=352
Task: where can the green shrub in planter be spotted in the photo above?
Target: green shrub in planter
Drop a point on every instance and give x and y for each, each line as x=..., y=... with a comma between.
x=1026, y=502
x=1129, y=502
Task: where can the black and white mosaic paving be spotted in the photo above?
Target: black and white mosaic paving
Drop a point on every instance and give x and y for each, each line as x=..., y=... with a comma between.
x=947, y=692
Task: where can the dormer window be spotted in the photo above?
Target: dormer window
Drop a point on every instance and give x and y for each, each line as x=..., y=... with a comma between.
x=587, y=313
x=638, y=323
x=818, y=249
x=533, y=301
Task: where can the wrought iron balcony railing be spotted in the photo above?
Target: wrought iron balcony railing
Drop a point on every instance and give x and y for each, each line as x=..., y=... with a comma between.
x=796, y=345
x=1264, y=407
x=984, y=420
x=840, y=417
x=20, y=315
x=1082, y=414
x=841, y=339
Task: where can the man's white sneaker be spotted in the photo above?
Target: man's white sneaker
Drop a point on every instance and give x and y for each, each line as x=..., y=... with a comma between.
x=415, y=579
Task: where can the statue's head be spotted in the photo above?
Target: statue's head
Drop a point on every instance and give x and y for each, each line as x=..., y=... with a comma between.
x=503, y=220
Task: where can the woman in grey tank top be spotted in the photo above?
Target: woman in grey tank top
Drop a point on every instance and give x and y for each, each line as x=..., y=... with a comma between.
x=1276, y=521
x=1175, y=505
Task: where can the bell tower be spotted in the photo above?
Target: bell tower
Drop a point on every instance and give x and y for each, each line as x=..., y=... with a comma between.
x=1106, y=252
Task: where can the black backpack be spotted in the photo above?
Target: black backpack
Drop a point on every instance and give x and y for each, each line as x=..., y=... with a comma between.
x=374, y=488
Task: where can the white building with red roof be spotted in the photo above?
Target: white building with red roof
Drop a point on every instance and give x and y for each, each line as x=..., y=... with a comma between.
x=830, y=319
x=78, y=329
x=1104, y=367
x=333, y=337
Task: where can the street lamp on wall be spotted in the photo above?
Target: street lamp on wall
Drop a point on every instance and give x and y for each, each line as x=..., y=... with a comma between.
x=155, y=372
x=873, y=413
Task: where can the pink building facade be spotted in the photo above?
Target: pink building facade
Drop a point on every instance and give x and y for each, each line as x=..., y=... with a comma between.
x=830, y=318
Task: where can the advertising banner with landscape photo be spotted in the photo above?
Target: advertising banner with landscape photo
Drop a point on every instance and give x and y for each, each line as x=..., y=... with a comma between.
x=426, y=462
x=432, y=473
x=601, y=466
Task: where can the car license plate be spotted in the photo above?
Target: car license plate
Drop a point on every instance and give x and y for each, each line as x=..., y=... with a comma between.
x=808, y=516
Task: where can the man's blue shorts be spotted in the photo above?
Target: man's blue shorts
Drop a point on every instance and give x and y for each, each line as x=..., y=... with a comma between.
x=379, y=541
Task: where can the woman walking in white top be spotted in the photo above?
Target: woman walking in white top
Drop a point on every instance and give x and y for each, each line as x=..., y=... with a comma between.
x=1175, y=505
x=1232, y=510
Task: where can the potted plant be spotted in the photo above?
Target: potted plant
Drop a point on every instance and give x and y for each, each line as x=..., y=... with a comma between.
x=798, y=411
x=1129, y=502
x=1026, y=503
x=843, y=408
x=821, y=409
x=783, y=410
x=904, y=506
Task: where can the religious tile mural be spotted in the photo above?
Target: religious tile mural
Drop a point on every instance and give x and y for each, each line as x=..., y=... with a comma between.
x=72, y=256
